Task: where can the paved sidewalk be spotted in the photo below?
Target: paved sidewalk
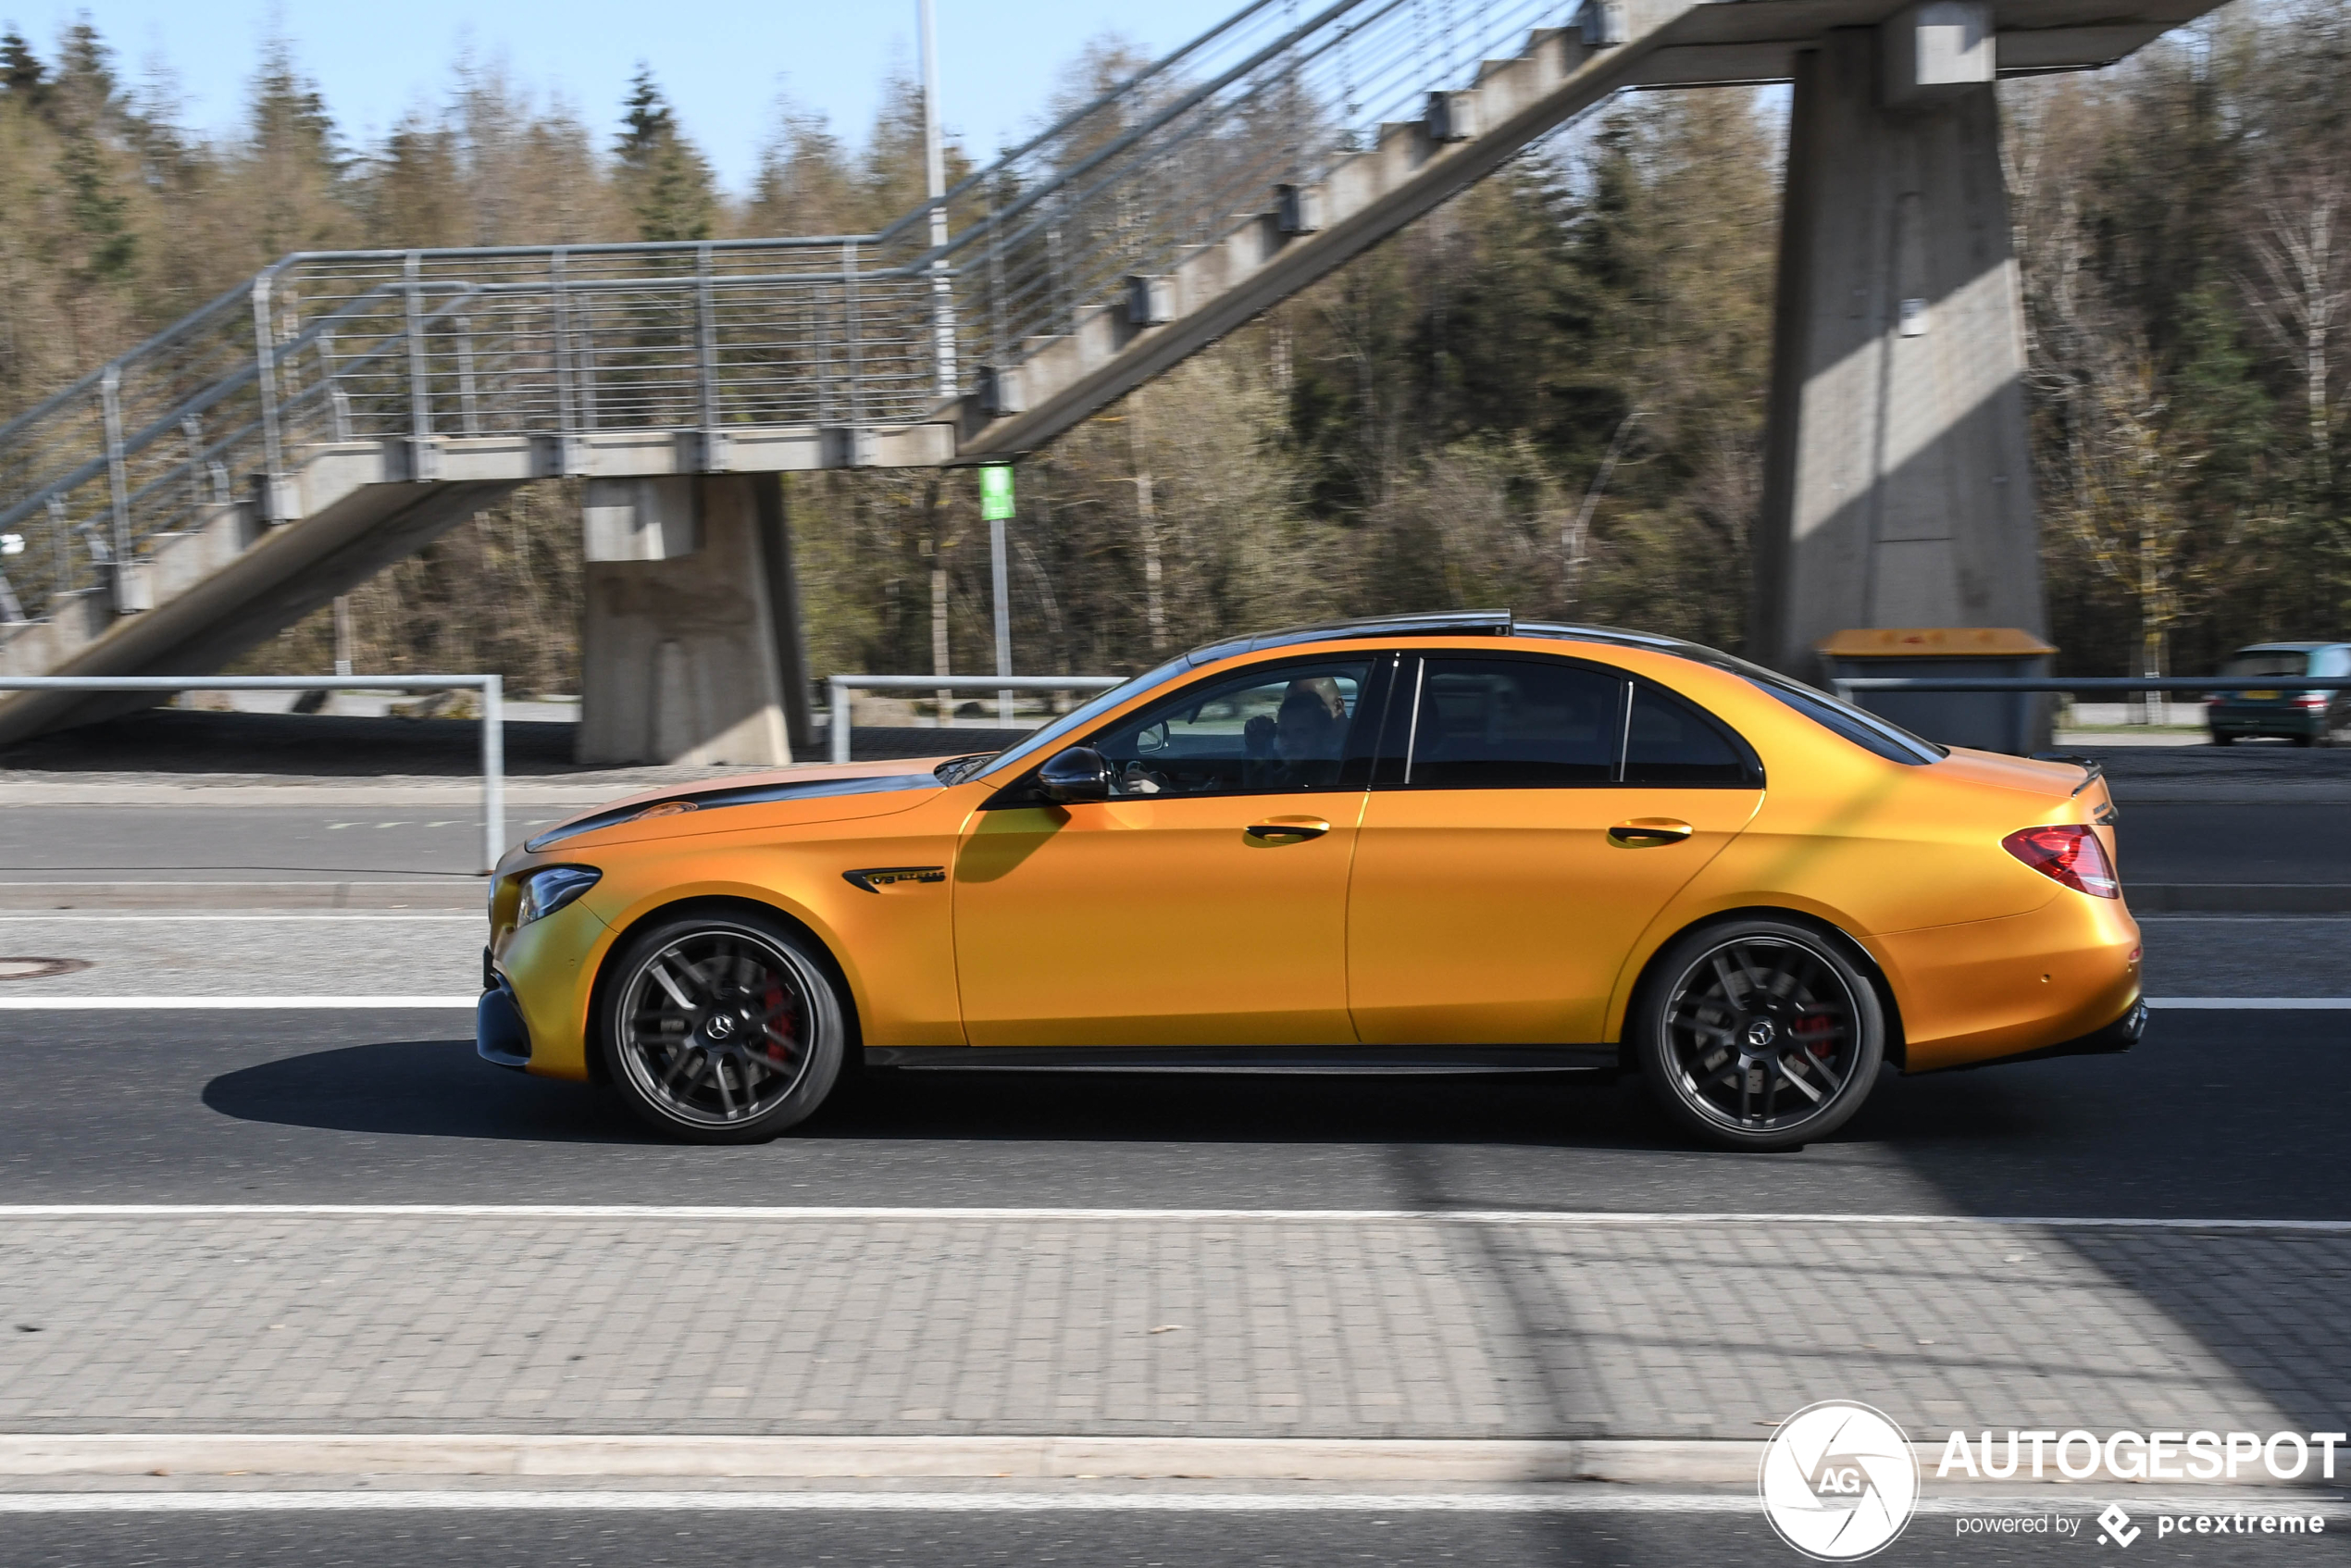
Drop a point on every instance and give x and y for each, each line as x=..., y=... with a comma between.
x=1269, y=1326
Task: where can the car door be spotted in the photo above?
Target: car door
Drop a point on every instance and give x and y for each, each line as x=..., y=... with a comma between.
x=1530, y=816
x=1205, y=903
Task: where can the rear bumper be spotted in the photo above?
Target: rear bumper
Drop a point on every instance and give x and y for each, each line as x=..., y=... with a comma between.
x=2266, y=721
x=1992, y=991
x=2111, y=1040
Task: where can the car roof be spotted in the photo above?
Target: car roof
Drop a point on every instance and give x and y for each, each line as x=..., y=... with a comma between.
x=1445, y=623
x=2284, y=647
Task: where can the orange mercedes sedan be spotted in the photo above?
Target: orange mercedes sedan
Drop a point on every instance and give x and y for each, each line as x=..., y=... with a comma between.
x=1428, y=844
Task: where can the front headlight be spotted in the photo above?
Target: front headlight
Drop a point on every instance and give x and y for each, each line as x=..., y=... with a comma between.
x=550, y=887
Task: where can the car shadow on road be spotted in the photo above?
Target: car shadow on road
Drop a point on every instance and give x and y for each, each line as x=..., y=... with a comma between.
x=440, y=1088
x=433, y=1088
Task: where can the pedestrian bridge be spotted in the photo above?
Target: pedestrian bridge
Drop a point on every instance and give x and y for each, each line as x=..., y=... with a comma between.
x=281, y=445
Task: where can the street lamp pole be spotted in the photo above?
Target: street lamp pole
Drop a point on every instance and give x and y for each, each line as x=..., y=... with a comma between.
x=942, y=303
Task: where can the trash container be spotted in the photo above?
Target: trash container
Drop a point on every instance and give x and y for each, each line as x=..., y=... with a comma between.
x=1992, y=721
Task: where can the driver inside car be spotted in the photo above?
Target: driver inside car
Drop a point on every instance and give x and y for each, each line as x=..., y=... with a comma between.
x=1300, y=746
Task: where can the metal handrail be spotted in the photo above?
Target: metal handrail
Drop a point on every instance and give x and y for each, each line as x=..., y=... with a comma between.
x=494, y=716
x=1847, y=686
x=1002, y=684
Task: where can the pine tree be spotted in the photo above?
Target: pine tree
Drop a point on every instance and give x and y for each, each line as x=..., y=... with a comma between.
x=666, y=180
x=22, y=77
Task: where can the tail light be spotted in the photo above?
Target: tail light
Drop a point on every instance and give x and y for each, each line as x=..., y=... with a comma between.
x=2067, y=853
x=2312, y=700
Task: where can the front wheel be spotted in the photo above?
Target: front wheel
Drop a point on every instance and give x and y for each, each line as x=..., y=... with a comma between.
x=1760, y=1035
x=722, y=1027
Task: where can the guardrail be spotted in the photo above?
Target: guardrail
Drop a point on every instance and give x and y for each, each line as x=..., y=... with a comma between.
x=2122, y=684
x=494, y=716
x=842, y=685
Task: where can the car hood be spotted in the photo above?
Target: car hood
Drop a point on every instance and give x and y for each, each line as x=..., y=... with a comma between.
x=830, y=793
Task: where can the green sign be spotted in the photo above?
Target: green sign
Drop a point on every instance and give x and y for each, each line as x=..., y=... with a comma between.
x=995, y=493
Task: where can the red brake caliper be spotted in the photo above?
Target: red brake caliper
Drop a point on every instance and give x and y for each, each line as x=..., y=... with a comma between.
x=779, y=1033
x=1814, y=1031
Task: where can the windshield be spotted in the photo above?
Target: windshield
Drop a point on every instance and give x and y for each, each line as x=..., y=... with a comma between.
x=2262, y=663
x=1049, y=738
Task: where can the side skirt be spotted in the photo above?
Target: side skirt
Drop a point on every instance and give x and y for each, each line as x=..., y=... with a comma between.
x=1374, y=1058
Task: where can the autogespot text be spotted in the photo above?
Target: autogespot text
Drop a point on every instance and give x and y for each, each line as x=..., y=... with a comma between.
x=2152, y=1456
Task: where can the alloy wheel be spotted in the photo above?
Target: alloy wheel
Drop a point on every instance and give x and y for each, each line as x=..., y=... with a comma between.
x=1761, y=1035
x=714, y=1027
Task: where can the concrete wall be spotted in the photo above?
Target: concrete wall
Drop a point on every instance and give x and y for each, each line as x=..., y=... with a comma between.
x=1898, y=486
x=695, y=658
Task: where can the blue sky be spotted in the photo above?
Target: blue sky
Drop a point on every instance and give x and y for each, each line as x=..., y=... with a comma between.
x=722, y=62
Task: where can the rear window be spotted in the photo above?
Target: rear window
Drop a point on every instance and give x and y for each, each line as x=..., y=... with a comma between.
x=1670, y=742
x=1864, y=729
x=2259, y=663
x=1503, y=724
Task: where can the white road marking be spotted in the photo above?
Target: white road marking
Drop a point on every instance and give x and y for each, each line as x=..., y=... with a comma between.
x=225, y=1003
x=1565, y=1499
x=1508, y=1217
x=2254, y=1003
x=187, y=919
x=216, y=1003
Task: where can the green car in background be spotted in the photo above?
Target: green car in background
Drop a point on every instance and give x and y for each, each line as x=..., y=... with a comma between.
x=2308, y=718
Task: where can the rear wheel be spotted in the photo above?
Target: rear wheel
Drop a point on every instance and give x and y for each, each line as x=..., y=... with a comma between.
x=1760, y=1035
x=722, y=1027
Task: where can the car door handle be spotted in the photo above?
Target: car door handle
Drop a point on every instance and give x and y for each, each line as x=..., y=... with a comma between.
x=1647, y=833
x=1290, y=829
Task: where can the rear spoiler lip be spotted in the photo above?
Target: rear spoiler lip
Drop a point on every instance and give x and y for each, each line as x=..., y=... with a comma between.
x=2092, y=769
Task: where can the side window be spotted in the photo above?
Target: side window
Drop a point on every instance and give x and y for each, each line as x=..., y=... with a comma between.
x=1501, y=724
x=1670, y=742
x=1267, y=730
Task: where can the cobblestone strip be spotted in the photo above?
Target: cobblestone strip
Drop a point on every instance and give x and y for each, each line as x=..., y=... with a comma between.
x=1217, y=1328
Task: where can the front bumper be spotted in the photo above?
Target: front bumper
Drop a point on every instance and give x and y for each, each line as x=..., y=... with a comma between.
x=500, y=1034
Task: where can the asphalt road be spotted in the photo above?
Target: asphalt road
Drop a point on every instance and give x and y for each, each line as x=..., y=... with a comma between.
x=47, y=843
x=2214, y=1115
x=2289, y=842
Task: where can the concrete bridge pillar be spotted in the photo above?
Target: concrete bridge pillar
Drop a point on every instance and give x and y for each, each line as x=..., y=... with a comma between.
x=690, y=647
x=1898, y=490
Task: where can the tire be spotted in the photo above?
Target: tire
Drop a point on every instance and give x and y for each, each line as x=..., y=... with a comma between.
x=722, y=1026
x=1731, y=1009
x=2220, y=740
x=2305, y=739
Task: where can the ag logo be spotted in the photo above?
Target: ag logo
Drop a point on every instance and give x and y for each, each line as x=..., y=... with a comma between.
x=1838, y=1481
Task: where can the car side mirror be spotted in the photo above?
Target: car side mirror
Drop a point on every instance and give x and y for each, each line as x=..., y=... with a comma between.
x=1078, y=773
